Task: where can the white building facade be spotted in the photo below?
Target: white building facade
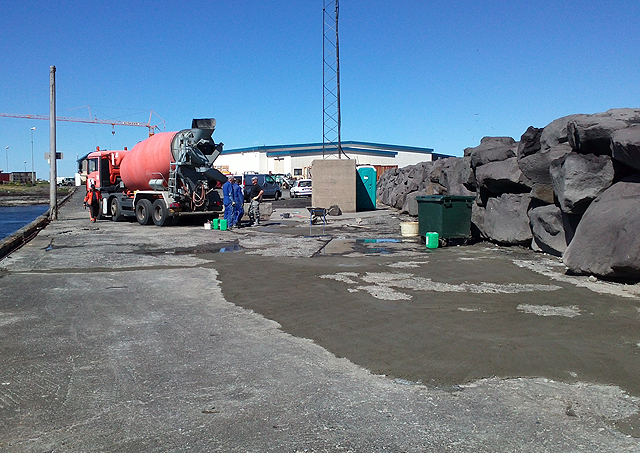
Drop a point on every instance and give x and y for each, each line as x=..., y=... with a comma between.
x=296, y=159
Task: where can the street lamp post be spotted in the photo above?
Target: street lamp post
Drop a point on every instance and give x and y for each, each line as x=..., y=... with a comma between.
x=25, y=166
x=33, y=174
x=6, y=153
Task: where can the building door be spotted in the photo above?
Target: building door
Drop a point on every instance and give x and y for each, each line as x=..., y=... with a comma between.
x=278, y=165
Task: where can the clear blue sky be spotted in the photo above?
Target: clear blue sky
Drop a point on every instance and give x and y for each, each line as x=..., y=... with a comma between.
x=438, y=74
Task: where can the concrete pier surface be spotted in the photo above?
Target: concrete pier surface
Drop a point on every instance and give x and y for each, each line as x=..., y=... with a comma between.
x=287, y=337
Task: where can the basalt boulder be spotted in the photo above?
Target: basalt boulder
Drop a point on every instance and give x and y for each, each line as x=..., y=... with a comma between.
x=529, y=142
x=411, y=205
x=579, y=178
x=504, y=219
x=503, y=177
x=491, y=149
x=534, y=161
x=552, y=229
x=455, y=175
x=592, y=134
x=625, y=146
x=606, y=242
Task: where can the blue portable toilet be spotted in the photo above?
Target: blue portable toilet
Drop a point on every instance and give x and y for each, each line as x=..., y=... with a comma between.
x=366, y=188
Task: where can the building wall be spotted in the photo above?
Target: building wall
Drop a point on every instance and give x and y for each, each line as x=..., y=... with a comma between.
x=238, y=163
x=22, y=177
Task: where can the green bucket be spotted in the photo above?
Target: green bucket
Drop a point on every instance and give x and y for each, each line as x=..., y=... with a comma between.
x=432, y=240
x=215, y=224
x=223, y=224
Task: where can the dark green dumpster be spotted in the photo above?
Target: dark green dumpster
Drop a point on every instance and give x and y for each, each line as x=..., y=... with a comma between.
x=447, y=215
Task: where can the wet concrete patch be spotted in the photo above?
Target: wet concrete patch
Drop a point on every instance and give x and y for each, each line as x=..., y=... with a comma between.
x=445, y=319
x=629, y=425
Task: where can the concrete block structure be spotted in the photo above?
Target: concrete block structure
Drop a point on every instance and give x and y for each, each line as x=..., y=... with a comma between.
x=334, y=183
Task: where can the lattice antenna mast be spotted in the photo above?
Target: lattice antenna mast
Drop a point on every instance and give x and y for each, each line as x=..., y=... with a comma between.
x=331, y=121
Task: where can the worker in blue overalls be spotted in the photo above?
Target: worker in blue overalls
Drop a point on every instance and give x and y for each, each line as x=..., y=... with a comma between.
x=238, y=204
x=227, y=199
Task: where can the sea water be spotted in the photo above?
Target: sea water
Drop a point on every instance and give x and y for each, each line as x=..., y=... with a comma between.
x=12, y=218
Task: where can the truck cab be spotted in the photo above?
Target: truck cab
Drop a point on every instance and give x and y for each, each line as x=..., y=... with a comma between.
x=103, y=169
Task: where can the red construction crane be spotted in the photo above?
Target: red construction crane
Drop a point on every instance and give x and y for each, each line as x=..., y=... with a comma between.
x=114, y=123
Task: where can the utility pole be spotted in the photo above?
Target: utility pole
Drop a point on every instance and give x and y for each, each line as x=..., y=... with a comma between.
x=6, y=155
x=331, y=121
x=53, y=195
x=33, y=173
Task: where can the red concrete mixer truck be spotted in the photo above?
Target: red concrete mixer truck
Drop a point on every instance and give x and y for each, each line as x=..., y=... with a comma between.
x=162, y=178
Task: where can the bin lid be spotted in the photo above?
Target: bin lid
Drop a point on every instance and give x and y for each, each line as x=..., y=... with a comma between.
x=442, y=198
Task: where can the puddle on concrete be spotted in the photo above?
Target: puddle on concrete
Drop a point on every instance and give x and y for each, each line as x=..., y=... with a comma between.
x=346, y=246
x=212, y=248
x=377, y=241
x=629, y=425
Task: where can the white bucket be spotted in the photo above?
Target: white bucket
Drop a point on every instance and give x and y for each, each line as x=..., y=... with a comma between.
x=409, y=228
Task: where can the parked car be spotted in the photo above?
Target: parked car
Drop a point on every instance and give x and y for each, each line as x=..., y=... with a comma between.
x=269, y=185
x=301, y=188
x=284, y=180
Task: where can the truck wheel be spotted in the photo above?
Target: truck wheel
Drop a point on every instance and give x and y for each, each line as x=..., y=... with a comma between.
x=159, y=213
x=143, y=212
x=116, y=210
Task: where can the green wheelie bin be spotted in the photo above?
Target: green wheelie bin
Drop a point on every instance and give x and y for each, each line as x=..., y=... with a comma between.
x=447, y=215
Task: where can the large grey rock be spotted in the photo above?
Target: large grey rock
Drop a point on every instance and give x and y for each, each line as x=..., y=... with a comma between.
x=529, y=142
x=552, y=229
x=394, y=185
x=503, y=176
x=586, y=134
x=504, y=219
x=543, y=192
x=606, y=242
x=554, y=135
x=455, y=175
x=411, y=205
x=420, y=172
x=579, y=178
x=554, y=144
x=591, y=134
x=491, y=149
x=397, y=195
x=385, y=183
x=625, y=146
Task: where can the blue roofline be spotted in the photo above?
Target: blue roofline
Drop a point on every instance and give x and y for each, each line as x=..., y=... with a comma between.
x=353, y=147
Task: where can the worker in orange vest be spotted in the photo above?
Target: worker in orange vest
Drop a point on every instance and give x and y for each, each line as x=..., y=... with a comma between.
x=93, y=200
